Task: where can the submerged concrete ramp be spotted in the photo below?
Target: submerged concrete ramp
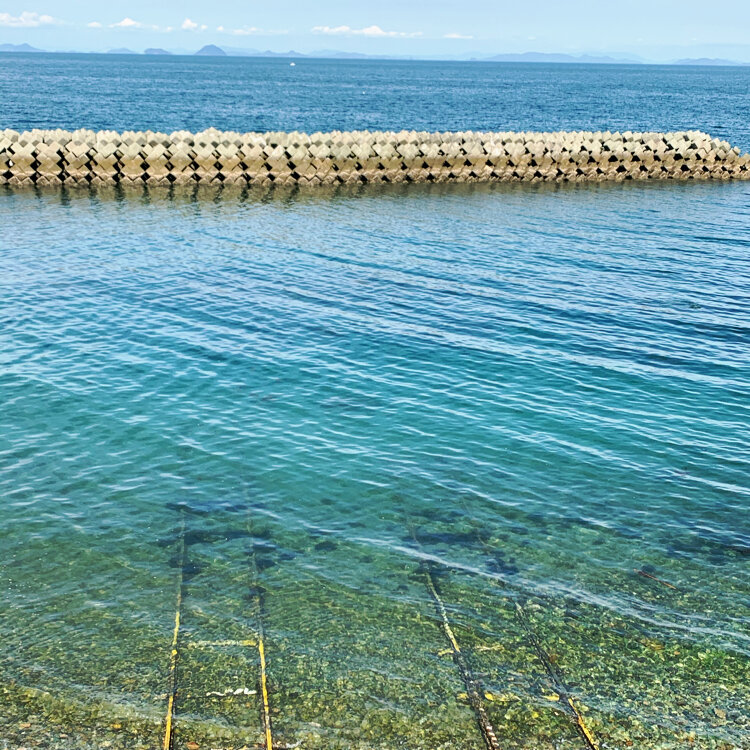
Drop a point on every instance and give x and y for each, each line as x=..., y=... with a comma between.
x=54, y=157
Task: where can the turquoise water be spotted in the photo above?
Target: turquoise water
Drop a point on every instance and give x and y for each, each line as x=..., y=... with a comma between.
x=524, y=394
x=356, y=424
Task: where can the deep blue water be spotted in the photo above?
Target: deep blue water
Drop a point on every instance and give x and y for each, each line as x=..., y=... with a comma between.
x=534, y=398
x=260, y=94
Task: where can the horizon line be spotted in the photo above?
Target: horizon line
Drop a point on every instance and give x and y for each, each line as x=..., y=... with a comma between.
x=584, y=58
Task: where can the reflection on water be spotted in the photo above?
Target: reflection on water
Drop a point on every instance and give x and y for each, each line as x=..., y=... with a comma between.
x=459, y=457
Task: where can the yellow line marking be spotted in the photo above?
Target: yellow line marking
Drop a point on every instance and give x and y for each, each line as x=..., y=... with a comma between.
x=493, y=647
x=582, y=725
x=219, y=644
x=473, y=691
x=268, y=735
x=553, y=673
x=173, y=657
x=264, y=692
x=443, y=613
x=556, y=679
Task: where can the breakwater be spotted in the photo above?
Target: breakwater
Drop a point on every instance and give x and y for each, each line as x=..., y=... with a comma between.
x=53, y=157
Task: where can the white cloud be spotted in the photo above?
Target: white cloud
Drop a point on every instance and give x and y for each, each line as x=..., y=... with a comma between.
x=372, y=31
x=188, y=25
x=454, y=35
x=27, y=20
x=127, y=23
x=250, y=31
x=94, y=25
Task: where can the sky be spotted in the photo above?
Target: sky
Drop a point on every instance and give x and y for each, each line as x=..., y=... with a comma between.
x=652, y=29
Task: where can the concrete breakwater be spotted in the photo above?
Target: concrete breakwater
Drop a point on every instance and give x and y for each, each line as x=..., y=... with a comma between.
x=54, y=157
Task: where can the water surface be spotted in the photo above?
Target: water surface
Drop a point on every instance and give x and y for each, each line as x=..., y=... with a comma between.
x=311, y=414
x=131, y=92
x=525, y=393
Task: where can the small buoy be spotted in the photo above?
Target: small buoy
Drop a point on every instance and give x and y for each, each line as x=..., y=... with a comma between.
x=291, y=65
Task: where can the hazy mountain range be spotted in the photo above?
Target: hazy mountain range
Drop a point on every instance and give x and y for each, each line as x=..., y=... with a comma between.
x=212, y=50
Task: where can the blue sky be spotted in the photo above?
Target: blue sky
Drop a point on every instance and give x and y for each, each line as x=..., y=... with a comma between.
x=654, y=29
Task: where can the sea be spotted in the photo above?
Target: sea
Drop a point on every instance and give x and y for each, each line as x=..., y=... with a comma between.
x=430, y=467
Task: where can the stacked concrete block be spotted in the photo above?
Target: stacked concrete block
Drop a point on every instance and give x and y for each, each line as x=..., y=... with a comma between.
x=215, y=157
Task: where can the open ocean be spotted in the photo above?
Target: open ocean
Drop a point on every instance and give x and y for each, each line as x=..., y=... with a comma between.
x=363, y=426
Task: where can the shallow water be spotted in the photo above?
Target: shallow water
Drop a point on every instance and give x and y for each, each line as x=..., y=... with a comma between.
x=534, y=396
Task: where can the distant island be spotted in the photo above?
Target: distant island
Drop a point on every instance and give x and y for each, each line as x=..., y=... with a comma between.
x=213, y=50
x=551, y=57
x=19, y=48
x=708, y=61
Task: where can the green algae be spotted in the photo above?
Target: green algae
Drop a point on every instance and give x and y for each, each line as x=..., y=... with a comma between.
x=357, y=661
x=352, y=668
x=473, y=372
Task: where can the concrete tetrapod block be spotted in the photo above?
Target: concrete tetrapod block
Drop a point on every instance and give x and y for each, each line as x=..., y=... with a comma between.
x=49, y=156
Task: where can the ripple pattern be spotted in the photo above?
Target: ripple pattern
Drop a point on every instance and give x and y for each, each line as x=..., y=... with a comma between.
x=539, y=395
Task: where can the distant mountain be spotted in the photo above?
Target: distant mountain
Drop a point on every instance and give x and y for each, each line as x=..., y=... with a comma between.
x=211, y=50
x=707, y=61
x=242, y=52
x=19, y=48
x=333, y=54
x=290, y=53
x=551, y=57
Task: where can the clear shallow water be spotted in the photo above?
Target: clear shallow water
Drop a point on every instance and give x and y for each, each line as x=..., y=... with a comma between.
x=529, y=392
x=535, y=397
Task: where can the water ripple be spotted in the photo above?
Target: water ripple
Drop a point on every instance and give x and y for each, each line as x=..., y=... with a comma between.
x=546, y=387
